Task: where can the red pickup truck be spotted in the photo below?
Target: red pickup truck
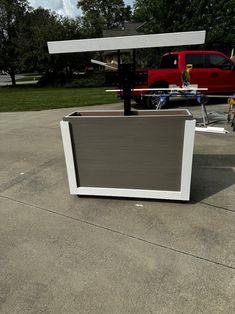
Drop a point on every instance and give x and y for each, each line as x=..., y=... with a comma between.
x=211, y=69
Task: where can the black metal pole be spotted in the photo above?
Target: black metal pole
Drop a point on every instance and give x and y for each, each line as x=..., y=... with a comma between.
x=119, y=58
x=127, y=86
x=119, y=69
x=134, y=59
x=125, y=74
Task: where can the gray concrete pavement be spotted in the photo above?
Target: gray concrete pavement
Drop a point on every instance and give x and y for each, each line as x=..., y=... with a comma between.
x=64, y=254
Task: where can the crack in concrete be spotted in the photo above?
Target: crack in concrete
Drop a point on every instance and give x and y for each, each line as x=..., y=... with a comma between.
x=6, y=185
x=123, y=234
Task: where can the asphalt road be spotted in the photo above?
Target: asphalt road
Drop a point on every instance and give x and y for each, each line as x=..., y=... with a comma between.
x=5, y=80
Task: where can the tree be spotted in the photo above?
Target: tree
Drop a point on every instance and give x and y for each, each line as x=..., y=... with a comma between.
x=24, y=36
x=38, y=27
x=12, y=14
x=217, y=17
x=101, y=14
x=41, y=26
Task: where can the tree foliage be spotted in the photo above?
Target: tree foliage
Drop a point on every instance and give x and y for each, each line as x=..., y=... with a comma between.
x=12, y=13
x=101, y=14
x=41, y=26
x=24, y=34
x=217, y=17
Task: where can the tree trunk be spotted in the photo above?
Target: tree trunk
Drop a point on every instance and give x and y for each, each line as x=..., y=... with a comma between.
x=12, y=75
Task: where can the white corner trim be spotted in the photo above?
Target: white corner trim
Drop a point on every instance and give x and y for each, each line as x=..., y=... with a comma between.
x=69, y=160
x=188, y=146
x=137, y=193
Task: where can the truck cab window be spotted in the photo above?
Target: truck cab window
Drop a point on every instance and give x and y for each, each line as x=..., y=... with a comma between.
x=218, y=61
x=197, y=60
x=169, y=62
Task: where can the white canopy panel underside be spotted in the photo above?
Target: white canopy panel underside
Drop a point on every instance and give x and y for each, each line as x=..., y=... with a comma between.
x=127, y=42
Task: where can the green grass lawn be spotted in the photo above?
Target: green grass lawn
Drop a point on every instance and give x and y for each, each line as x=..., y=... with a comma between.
x=33, y=98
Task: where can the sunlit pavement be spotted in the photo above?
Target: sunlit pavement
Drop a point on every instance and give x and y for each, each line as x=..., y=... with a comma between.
x=64, y=254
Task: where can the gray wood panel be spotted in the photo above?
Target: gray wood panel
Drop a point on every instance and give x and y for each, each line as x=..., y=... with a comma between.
x=137, y=152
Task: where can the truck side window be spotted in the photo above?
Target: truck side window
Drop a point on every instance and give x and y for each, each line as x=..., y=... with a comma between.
x=169, y=62
x=218, y=61
x=197, y=60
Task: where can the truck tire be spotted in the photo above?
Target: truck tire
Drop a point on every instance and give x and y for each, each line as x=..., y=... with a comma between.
x=140, y=101
x=152, y=101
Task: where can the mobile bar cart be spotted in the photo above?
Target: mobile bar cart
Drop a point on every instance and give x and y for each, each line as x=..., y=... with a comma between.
x=144, y=154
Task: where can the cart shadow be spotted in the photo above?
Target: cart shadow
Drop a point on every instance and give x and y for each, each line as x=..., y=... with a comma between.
x=211, y=174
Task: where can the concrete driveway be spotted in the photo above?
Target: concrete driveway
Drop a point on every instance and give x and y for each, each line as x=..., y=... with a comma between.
x=64, y=254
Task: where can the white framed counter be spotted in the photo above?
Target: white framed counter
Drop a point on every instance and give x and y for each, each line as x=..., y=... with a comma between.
x=145, y=155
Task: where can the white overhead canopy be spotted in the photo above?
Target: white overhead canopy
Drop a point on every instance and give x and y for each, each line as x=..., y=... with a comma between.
x=127, y=42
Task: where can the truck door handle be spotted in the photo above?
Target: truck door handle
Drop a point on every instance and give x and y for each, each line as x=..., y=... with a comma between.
x=214, y=74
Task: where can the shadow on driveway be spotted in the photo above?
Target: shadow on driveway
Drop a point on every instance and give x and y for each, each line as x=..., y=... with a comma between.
x=211, y=174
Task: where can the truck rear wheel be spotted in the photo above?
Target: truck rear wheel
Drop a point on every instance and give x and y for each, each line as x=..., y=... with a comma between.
x=140, y=101
x=153, y=97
